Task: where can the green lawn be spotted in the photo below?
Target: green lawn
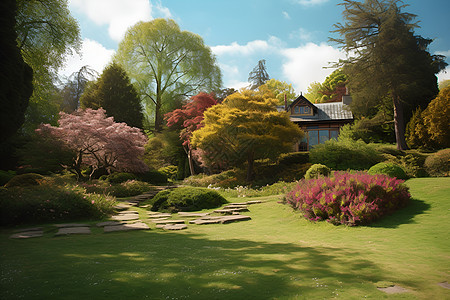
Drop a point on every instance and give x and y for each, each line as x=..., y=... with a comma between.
x=276, y=255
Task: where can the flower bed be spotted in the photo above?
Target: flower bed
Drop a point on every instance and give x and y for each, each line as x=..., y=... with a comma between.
x=351, y=199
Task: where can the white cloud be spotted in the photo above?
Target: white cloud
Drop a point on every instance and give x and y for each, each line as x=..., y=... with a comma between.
x=236, y=49
x=311, y=2
x=301, y=34
x=444, y=75
x=305, y=64
x=119, y=15
x=286, y=15
x=93, y=54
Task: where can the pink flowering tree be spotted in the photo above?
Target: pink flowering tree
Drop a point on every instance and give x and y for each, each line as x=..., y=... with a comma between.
x=99, y=142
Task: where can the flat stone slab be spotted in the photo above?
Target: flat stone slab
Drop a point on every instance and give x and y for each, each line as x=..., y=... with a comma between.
x=159, y=215
x=232, y=206
x=125, y=217
x=204, y=221
x=73, y=230
x=230, y=211
x=29, y=229
x=189, y=214
x=168, y=221
x=444, y=284
x=122, y=206
x=68, y=225
x=175, y=227
x=221, y=220
x=396, y=289
x=253, y=202
x=234, y=218
x=27, y=234
x=128, y=212
x=126, y=227
x=144, y=206
x=108, y=223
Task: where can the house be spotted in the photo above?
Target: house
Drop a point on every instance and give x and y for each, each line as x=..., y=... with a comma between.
x=320, y=121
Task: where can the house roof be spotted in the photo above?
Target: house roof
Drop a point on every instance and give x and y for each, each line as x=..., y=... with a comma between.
x=332, y=111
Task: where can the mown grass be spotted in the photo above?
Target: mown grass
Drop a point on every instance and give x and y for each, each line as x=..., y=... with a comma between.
x=276, y=255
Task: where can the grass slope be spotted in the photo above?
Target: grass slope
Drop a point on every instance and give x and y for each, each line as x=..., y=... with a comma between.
x=276, y=255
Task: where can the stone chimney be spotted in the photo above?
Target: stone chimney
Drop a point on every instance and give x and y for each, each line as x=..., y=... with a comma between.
x=347, y=99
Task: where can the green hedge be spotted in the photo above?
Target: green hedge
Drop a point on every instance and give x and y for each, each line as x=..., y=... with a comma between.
x=389, y=169
x=438, y=164
x=317, y=170
x=345, y=154
x=186, y=199
x=25, y=180
x=293, y=158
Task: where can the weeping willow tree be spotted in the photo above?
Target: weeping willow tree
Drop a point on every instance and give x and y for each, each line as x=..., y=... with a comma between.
x=165, y=63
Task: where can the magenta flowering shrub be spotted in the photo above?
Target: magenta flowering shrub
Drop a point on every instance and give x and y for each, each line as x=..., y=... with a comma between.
x=351, y=199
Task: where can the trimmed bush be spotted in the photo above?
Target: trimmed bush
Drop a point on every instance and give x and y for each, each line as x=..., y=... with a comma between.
x=438, y=164
x=345, y=154
x=348, y=198
x=169, y=171
x=186, y=199
x=317, y=170
x=152, y=176
x=389, y=169
x=51, y=203
x=25, y=180
x=293, y=158
x=120, y=177
x=6, y=176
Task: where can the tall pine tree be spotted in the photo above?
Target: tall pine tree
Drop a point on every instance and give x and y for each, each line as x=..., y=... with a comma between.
x=114, y=92
x=388, y=63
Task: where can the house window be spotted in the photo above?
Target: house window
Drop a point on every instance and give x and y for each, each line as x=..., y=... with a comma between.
x=302, y=110
x=314, y=137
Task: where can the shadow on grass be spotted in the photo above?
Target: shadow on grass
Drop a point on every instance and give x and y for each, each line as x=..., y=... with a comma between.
x=158, y=265
x=403, y=216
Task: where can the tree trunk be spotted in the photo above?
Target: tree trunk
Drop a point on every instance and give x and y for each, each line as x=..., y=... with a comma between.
x=158, y=119
x=399, y=123
x=250, y=160
x=191, y=162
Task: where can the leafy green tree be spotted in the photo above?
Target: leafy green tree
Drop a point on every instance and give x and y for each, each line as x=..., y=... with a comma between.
x=437, y=119
x=333, y=88
x=387, y=60
x=15, y=74
x=245, y=127
x=47, y=33
x=280, y=89
x=165, y=62
x=313, y=93
x=258, y=76
x=114, y=92
x=416, y=133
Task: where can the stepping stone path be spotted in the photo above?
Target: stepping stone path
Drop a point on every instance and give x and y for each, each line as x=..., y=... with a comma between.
x=159, y=215
x=188, y=214
x=126, y=217
x=396, y=289
x=221, y=220
x=126, y=227
x=127, y=220
x=27, y=233
x=172, y=226
x=73, y=230
x=167, y=221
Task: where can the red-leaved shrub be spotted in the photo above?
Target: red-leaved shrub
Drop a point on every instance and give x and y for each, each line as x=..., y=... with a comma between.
x=351, y=199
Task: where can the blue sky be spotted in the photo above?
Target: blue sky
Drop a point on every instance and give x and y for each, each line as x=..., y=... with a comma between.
x=291, y=35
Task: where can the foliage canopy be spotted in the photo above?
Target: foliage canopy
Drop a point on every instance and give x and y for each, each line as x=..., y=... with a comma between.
x=165, y=63
x=245, y=127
